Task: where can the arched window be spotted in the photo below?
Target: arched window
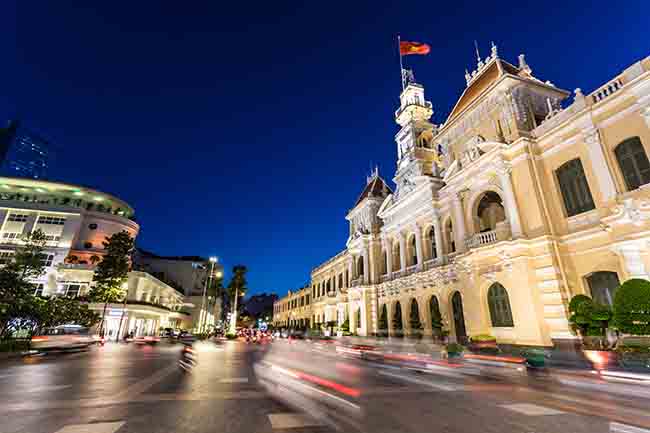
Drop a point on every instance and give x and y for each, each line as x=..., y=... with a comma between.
x=603, y=286
x=360, y=267
x=413, y=251
x=384, y=255
x=633, y=162
x=397, y=318
x=340, y=280
x=574, y=188
x=499, y=304
x=431, y=236
x=347, y=278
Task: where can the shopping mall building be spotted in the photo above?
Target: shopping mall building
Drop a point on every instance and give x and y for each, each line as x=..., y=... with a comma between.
x=527, y=195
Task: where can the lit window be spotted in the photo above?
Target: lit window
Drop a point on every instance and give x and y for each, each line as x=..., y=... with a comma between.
x=38, y=289
x=47, y=259
x=17, y=217
x=5, y=257
x=11, y=236
x=59, y=221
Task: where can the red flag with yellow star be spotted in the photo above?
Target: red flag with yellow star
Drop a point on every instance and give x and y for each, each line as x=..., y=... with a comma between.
x=407, y=48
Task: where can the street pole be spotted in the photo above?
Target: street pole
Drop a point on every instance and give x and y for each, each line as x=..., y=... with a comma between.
x=233, y=315
x=207, y=301
x=202, y=313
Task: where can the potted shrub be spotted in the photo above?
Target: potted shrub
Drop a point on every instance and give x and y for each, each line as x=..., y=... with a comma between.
x=454, y=350
x=483, y=343
x=590, y=319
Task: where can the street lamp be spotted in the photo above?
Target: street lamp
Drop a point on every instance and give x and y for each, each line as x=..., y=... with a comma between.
x=203, y=314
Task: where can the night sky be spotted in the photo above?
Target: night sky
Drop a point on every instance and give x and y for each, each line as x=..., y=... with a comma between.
x=246, y=129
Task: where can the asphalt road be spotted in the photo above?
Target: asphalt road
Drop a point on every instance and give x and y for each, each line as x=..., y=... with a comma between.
x=293, y=387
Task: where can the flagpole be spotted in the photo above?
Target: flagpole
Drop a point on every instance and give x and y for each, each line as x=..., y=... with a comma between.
x=401, y=67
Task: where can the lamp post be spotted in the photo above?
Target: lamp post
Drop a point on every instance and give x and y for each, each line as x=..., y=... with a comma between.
x=203, y=314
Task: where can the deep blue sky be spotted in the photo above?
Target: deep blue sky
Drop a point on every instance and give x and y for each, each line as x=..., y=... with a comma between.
x=246, y=129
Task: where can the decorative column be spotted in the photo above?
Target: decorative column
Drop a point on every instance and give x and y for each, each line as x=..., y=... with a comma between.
x=402, y=250
x=418, y=246
x=599, y=164
x=437, y=231
x=350, y=270
x=366, y=265
x=459, y=222
x=512, y=212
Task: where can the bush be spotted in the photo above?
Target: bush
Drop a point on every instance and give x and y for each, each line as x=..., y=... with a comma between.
x=588, y=317
x=231, y=336
x=632, y=307
x=481, y=338
x=454, y=348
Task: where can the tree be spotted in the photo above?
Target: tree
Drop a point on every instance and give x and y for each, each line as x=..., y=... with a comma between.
x=397, y=318
x=383, y=320
x=588, y=317
x=17, y=308
x=236, y=289
x=632, y=307
x=414, y=318
x=345, y=326
x=112, y=272
x=94, y=259
x=60, y=310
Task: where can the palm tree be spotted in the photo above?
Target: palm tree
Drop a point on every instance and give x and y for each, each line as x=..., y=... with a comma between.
x=236, y=288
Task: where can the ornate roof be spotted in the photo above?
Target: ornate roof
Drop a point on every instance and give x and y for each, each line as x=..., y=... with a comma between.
x=375, y=187
x=483, y=80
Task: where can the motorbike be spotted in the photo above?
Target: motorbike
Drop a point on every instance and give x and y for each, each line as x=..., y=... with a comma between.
x=188, y=358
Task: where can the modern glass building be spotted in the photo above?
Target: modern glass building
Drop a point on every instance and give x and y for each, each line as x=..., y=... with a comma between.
x=24, y=154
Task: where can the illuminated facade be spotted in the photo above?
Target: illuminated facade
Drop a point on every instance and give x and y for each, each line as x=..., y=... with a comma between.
x=525, y=196
x=76, y=220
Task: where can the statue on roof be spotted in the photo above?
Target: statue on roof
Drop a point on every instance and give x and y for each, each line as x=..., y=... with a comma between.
x=408, y=77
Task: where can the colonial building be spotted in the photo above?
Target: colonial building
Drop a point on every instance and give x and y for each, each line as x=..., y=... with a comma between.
x=527, y=195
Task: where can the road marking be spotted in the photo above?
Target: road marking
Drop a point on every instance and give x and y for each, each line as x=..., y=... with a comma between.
x=103, y=427
x=48, y=388
x=422, y=382
x=146, y=383
x=291, y=420
x=624, y=428
x=234, y=380
x=531, y=409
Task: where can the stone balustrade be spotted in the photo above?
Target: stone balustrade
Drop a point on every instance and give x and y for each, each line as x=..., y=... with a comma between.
x=608, y=89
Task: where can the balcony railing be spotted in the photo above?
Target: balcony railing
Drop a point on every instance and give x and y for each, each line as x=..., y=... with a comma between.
x=357, y=282
x=500, y=233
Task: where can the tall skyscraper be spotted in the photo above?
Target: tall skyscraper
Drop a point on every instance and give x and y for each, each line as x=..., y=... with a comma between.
x=7, y=136
x=23, y=154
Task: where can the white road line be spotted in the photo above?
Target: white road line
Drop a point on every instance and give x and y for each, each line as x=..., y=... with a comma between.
x=624, y=428
x=291, y=420
x=47, y=388
x=531, y=409
x=422, y=382
x=99, y=427
x=234, y=380
x=146, y=383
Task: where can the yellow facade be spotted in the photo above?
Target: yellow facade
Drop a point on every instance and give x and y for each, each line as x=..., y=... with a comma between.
x=526, y=196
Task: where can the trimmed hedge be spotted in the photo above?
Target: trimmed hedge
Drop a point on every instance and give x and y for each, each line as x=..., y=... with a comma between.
x=632, y=307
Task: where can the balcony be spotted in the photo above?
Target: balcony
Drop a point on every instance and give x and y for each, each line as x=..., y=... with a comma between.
x=77, y=266
x=502, y=232
x=357, y=282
